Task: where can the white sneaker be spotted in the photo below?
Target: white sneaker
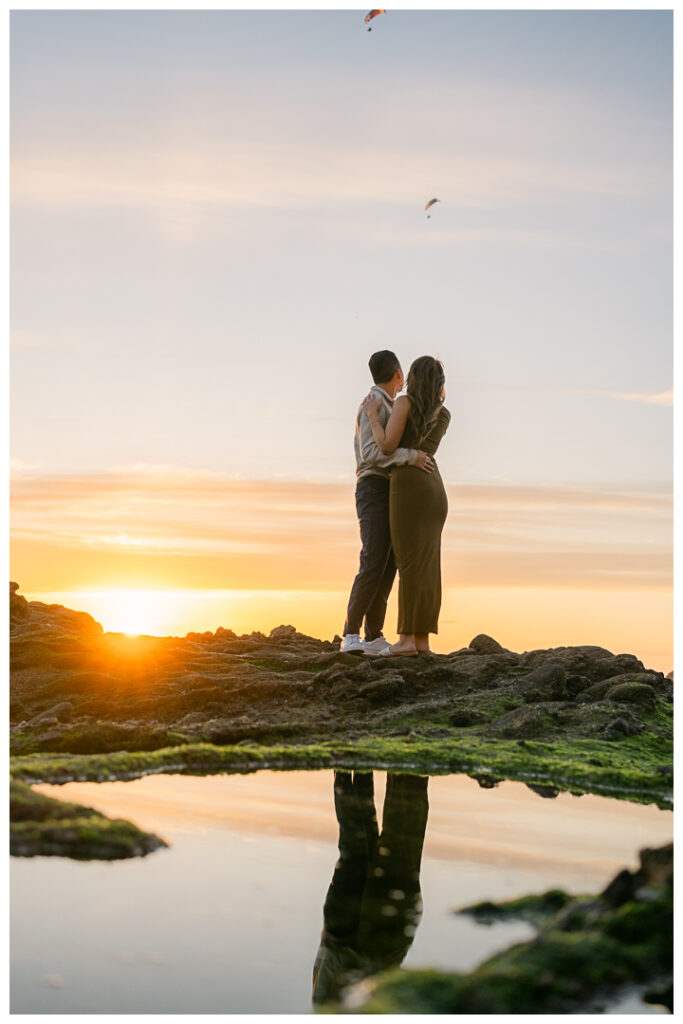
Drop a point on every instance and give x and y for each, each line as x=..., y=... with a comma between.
x=352, y=644
x=376, y=646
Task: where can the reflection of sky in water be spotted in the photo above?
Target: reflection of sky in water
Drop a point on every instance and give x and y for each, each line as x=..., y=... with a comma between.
x=229, y=918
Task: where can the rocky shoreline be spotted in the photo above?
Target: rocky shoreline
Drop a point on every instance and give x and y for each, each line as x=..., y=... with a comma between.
x=85, y=704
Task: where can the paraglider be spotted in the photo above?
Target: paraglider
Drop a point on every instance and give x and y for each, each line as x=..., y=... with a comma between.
x=373, y=14
x=431, y=203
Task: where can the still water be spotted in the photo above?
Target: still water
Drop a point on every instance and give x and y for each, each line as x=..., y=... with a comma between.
x=253, y=910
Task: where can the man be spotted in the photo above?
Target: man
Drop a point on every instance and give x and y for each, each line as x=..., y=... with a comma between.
x=373, y=583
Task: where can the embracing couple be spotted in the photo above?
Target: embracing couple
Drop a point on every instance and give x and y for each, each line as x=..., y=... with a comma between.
x=401, y=504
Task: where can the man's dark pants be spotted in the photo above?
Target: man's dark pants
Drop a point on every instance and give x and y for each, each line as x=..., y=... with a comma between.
x=375, y=578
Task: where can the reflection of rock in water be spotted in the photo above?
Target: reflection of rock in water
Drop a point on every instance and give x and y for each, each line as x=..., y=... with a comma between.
x=373, y=905
x=486, y=781
x=547, y=792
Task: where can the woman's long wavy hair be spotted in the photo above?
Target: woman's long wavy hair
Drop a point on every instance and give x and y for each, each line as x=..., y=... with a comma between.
x=424, y=385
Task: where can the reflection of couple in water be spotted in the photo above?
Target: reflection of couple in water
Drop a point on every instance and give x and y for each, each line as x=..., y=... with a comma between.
x=401, y=505
x=373, y=905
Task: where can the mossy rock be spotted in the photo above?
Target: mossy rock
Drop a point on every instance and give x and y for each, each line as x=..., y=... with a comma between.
x=633, y=693
x=524, y=723
x=633, y=769
x=594, y=693
x=528, y=908
x=585, y=953
x=41, y=826
x=545, y=683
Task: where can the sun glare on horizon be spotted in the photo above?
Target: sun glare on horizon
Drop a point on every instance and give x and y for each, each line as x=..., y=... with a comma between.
x=524, y=618
x=128, y=610
x=138, y=611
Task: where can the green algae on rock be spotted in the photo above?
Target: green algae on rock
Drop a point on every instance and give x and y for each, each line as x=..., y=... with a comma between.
x=587, y=951
x=535, y=909
x=41, y=826
x=568, y=766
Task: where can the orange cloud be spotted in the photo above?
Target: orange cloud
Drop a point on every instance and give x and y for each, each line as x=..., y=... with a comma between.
x=166, y=527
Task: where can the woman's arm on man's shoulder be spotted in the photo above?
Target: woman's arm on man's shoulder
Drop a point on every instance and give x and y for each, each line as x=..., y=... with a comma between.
x=387, y=438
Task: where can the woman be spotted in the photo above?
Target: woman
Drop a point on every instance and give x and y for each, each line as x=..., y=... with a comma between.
x=418, y=505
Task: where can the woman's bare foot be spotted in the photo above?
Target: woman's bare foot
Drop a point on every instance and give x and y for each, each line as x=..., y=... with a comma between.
x=405, y=647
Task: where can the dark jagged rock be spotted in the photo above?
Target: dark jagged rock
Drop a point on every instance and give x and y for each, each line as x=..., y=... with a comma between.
x=225, y=634
x=286, y=633
x=620, y=890
x=621, y=663
x=656, y=867
x=633, y=693
x=33, y=620
x=622, y=726
x=463, y=717
x=18, y=605
x=547, y=682
x=483, y=644
x=525, y=722
x=575, y=685
x=385, y=688
x=619, y=688
x=654, y=679
x=570, y=657
x=594, y=693
x=59, y=713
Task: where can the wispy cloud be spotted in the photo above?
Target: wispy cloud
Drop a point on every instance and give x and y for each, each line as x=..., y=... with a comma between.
x=647, y=398
x=247, y=172
x=207, y=529
x=19, y=467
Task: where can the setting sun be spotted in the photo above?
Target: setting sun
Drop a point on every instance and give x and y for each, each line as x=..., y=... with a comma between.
x=124, y=610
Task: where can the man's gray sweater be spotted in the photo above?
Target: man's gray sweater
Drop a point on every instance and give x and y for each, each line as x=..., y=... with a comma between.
x=370, y=461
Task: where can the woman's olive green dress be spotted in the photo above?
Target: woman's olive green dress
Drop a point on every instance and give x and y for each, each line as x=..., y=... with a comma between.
x=417, y=510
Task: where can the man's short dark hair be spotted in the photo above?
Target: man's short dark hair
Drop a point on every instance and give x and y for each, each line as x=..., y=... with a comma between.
x=383, y=365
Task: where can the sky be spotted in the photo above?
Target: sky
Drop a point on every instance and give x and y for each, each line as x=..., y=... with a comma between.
x=217, y=216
